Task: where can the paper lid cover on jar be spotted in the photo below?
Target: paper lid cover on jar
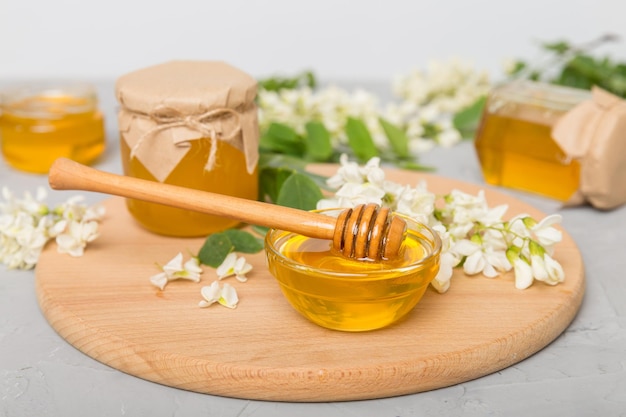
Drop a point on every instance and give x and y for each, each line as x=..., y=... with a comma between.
x=164, y=107
x=594, y=132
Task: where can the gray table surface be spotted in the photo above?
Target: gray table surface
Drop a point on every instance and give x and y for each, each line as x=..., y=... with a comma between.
x=582, y=373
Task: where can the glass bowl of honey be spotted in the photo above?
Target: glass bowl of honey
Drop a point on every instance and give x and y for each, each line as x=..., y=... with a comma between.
x=352, y=295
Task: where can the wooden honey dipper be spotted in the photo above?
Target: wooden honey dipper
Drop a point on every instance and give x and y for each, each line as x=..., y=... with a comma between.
x=366, y=231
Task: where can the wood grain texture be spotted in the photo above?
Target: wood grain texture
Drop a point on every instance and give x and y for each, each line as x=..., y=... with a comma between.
x=104, y=305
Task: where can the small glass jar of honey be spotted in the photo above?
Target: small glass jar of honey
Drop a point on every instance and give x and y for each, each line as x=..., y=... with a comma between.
x=192, y=124
x=514, y=141
x=42, y=122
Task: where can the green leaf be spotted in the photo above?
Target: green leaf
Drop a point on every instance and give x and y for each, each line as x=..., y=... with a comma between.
x=589, y=68
x=431, y=130
x=319, y=180
x=243, y=241
x=518, y=67
x=299, y=191
x=277, y=160
x=467, y=120
x=215, y=249
x=319, y=146
x=360, y=139
x=282, y=131
x=559, y=47
x=397, y=138
x=282, y=161
x=271, y=180
x=261, y=230
x=575, y=66
x=283, y=139
x=218, y=245
x=572, y=78
x=277, y=83
x=414, y=166
x=617, y=85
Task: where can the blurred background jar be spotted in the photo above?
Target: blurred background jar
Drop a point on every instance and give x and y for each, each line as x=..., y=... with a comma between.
x=514, y=141
x=42, y=122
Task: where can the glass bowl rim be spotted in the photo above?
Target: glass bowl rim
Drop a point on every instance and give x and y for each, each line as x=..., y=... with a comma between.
x=372, y=275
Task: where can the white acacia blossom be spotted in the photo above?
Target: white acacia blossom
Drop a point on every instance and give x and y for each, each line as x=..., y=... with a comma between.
x=214, y=293
x=175, y=269
x=233, y=265
x=191, y=270
x=445, y=86
x=474, y=235
x=430, y=98
x=331, y=105
x=28, y=223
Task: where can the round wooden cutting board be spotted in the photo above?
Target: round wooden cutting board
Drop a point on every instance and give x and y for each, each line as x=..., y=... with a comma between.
x=104, y=305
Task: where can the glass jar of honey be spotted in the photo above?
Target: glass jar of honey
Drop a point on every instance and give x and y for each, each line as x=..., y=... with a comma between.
x=514, y=141
x=192, y=124
x=42, y=122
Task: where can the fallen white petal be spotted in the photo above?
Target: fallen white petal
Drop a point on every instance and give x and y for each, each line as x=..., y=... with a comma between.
x=193, y=266
x=229, y=296
x=159, y=280
x=174, y=265
x=226, y=269
x=210, y=293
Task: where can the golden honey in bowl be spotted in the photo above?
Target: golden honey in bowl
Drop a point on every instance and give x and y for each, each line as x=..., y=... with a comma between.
x=514, y=142
x=345, y=294
x=191, y=124
x=40, y=123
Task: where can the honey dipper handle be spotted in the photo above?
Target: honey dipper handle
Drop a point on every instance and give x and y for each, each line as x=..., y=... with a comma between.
x=66, y=174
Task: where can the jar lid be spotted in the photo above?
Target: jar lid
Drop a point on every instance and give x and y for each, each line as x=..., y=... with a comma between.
x=555, y=97
x=188, y=87
x=166, y=106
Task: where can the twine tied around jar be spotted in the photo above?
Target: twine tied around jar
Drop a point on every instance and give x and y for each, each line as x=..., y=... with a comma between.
x=204, y=123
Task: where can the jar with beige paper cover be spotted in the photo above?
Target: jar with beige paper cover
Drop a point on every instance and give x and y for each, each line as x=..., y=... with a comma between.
x=514, y=142
x=192, y=124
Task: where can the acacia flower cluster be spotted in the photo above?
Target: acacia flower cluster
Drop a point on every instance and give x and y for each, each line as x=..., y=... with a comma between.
x=226, y=295
x=28, y=223
x=446, y=86
x=175, y=269
x=474, y=236
x=331, y=106
x=427, y=102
